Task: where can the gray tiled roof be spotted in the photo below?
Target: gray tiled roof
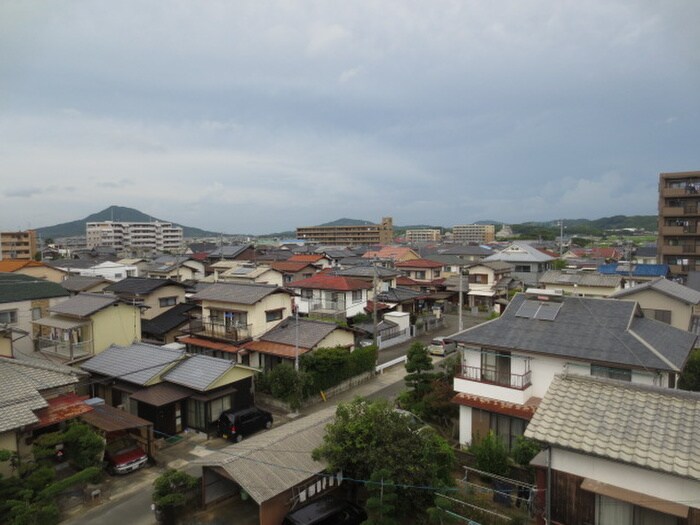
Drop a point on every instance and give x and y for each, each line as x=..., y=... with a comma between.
x=139, y=285
x=138, y=363
x=84, y=304
x=398, y=294
x=520, y=252
x=367, y=271
x=494, y=265
x=241, y=293
x=666, y=287
x=22, y=383
x=270, y=463
x=646, y=426
x=78, y=283
x=18, y=287
x=467, y=249
x=311, y=332
x=168, y=320
x=198, y=371
x=593, y=279
x=593, y=330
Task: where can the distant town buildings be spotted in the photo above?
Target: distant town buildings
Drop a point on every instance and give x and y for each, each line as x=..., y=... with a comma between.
x=679, y=214
x=351, y=235
x=135, y=236
x=466, y=233
x=18, y=245
x=423, y=235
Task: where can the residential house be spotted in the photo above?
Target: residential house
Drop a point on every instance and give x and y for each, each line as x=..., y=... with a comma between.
x=81, y=283
x=294, y=270
x=292, y=338
x=389, y=255
x=635, y=274
x=169, y=325
x=427, y=273
x=529, y=263
x=139, y=263
x=608, y=253
x=330, y=295
x=508, y=363
x=238, y=252
x=36, y=269
x=168, y=387
x=175, y=268
x=244, y=272
x=110, y=270
x=319, y=260
x=154, y=296
x=272, y=488
x=30, y=398
x=234, y=313
x=645, y=255
x=666, y=301
x=385, y=277
x=617, y=452
x=489, y=284
x=583, y=283
x=85, y=325
x=22, y=300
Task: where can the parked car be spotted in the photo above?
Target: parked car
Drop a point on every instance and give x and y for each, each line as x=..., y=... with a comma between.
x=327, y=511
x=235, y=424
x=439, y=346
x=124, y=455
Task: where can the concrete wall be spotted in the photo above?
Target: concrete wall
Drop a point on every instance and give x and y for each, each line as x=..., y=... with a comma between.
x=337, y=338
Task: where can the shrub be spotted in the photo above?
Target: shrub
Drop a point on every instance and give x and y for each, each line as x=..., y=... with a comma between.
x=524, y=450
x=491, y=455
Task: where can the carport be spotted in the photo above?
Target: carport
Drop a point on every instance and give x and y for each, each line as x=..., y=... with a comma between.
x=112, y=421
x=273, y=468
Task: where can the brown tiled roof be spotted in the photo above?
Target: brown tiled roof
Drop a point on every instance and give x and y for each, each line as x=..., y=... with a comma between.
x=419, y=263
x=325, y=281
x=309, y=258
x=525, y=411
x=289, y=266
x=206, y=343
x=278, y=349
x=161, y=394
x=12, y=265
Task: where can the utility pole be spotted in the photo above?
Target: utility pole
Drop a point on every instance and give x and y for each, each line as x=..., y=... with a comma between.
x=296, y=338
x=561, y=237
x=374, y=301
x=461, y=299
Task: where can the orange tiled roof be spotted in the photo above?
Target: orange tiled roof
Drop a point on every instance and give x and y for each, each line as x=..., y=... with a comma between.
x=289, y=266
x=12, y=265
x=309, y=258
x=278, y=349
x=325, y=281
x=525, y=411
x=206, y=343
x=418, y=263
x=390, y=252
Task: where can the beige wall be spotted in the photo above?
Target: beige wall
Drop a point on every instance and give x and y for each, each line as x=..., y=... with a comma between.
x=337, y=338
x=256, y=312
x=680, y=312
x=587, y=291
x=234, y=374
x=120, y=325
x=5, y=346
x=44, y=272
x=153, y=300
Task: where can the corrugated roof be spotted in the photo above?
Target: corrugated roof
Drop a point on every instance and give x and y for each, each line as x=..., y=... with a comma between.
x=593, y=330
x=198, y=371
x=84, y=304
x=665, y=287
x=16, y=287
x=12, y=265
x=270, y=463
x=636, y=270
x=646, y=426
x=241, y=293
x=138, y=363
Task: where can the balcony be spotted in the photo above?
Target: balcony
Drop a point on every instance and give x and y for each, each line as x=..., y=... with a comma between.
x=474, y=380
x=220, y=330
x=683, y=191
x=63, y=349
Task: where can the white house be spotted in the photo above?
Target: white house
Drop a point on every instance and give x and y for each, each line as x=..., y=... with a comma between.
x=332, y=295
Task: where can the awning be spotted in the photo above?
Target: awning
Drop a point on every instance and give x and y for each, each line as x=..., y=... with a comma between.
x=479, y=293
x=525, y=411
x=58, y=322
x=206, y=343
x=110, y=419
x=61, y=408
x=636, y=498
x=161, y=394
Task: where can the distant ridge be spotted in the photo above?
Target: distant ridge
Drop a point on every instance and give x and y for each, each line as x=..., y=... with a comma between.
x=348, y=222
x=113, y=213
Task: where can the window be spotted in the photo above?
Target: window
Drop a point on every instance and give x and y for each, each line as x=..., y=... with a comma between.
x=36, y=313
x=522, y=268
x=621, y=374
x=660, y=315
x=610, y=510
x=217, y=406
x=356, y=296
x=167, y=301
x=196, y=417
x=307, y=294
x=273, y=315
x=495, y=368
x=8, y=317
x=420, y=274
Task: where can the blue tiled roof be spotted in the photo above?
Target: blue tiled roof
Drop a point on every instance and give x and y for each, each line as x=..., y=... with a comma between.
x=638, y=270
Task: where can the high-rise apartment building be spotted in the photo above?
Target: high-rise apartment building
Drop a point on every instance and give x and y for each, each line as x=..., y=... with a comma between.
x=423, y=235
x=18, y=245
x=135, y=236
x=678, y=243
x=466, y=233
x=355, y=235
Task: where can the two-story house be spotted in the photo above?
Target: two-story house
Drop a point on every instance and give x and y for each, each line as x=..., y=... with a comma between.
x=85, y=325
x=488, y=284
x=425, y=273
x=24, y=299
x=331, y=296
x=582, y=282
x=508, y=363
x=175, y=268
x=294, y=270
x=529, y=263
x=154, y=296
x=244, y=272
x=235, y=313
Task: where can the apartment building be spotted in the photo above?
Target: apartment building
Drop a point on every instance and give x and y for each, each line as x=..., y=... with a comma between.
x=678, y=243
x=18, y=245
x=135, y=236
x=351, y=235
x=466, y=233
x=424, y=235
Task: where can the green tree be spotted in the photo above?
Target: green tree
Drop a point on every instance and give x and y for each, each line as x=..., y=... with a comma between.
x=369, y=436
x=381, y=504
x=491, y=455
x=690, y=377
x=524, y=450
x=173, y=490
x=419, y=366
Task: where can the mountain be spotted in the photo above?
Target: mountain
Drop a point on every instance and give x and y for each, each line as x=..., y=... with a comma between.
x=347, y=222
x=113, y=213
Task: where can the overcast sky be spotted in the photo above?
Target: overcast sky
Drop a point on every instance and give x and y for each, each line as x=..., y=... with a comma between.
x=261, y=116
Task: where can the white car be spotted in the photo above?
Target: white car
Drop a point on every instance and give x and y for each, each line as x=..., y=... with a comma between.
x=439, y=346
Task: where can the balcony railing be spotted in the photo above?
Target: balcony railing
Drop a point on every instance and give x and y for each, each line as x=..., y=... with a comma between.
x=494, y=377
x=63, y=349
x=221, y=330
x=328, y=306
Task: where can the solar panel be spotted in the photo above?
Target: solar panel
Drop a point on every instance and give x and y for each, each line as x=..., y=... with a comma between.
x=548, y=311
x=528, y=309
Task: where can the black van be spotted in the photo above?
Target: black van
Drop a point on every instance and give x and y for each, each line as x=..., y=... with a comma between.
x=327, y=511
x=235, y=424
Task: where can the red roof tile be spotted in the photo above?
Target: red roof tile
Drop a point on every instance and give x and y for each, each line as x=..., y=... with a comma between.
x=289, y=266
x=324, y=281
x=12, y=265
x=525, y=411
x=309, y=258
x=278, y=349
x=62, y=408
x=418, y=263
x=206, y=343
